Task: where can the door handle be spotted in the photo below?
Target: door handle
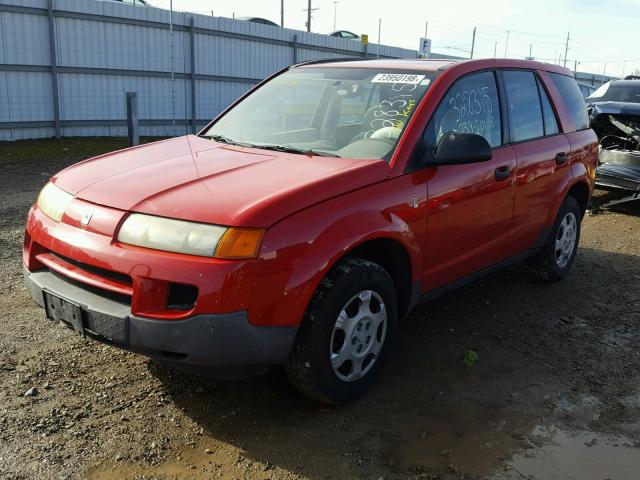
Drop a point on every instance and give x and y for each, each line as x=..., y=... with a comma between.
x=502, y=173
x=562, y=158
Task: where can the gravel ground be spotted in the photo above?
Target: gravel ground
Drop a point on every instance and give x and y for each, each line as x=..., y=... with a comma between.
x=555, y=392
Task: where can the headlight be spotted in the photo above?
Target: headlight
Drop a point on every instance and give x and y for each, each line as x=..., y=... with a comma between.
x=192, y=238
x=52, y=201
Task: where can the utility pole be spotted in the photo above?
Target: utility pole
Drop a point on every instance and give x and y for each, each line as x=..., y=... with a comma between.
x=426, y=28
x=575, y=67
x=473, y=41
x=309, y=10
x=495, y=49
x=566, y=50
x=173, y=73
x=282, y=13
x=530, y=49
x=624, y=64
x=335, y=12
x=378, y=46
x=506, y=45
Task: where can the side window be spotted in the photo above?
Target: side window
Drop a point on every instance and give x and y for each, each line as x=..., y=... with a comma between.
x=573, y=99
x=470, y=106
x=550, y=122
x=524, y=105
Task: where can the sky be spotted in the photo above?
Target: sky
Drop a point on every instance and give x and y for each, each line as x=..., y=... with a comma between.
x=600, y=31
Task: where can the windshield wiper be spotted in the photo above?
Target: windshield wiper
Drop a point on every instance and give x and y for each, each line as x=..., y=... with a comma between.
x=303, y=151
x=223, y=139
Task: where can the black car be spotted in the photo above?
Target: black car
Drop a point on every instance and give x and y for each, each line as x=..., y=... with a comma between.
x=614, y=113
x=344, y=34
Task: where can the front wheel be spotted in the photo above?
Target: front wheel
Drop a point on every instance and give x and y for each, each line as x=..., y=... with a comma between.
x=342, y=342
x=554, y=261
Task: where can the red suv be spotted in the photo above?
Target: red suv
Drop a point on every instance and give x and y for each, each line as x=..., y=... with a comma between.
x=301, y=224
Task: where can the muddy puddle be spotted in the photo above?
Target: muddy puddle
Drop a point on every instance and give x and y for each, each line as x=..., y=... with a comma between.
x=470, y=442
x=458, y=440
x=564, y=455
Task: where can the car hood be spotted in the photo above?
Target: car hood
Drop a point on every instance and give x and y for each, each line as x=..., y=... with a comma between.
x=614, y=108
x=193, y=178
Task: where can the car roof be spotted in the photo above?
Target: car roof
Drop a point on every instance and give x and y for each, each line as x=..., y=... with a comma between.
x=625, y=83
x=425, y=64
x=249, y=19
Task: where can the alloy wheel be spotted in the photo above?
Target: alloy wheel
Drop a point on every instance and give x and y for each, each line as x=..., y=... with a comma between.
x=566, y=239
x=358, y=336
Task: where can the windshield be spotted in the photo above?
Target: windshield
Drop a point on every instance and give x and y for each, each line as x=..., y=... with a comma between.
x=617, y=93
x=345, y=112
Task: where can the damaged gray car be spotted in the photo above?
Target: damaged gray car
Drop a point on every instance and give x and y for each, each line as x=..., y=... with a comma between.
x=614, y=114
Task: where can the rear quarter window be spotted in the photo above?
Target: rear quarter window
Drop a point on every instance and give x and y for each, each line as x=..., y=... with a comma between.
x=573, y=99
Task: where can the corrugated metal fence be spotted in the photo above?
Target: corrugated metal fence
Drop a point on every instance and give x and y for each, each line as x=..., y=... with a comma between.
x=65, y=65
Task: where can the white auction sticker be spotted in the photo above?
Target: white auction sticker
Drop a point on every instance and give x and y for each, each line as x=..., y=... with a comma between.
x=397, y=78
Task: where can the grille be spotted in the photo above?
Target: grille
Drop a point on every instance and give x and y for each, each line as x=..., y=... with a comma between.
x=109, y=295
x=103, y=272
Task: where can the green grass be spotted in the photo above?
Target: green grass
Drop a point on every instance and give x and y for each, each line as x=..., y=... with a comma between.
x=68, y=147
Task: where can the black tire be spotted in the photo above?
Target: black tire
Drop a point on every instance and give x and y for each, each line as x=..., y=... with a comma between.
x=545, y=265
x=309, y=365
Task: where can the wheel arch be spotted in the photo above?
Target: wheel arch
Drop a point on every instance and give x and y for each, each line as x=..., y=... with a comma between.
x=394, y=258
x=580, y=191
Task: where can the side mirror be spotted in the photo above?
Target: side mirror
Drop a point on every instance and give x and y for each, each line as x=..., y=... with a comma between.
x=456, y=148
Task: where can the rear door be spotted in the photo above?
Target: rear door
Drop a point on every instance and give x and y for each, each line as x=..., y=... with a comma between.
x=542, y=155
x=469, y=205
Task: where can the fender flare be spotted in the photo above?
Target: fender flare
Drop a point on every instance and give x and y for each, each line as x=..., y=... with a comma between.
x=574, y=175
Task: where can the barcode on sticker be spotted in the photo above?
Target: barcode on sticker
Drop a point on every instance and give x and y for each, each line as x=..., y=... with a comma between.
x=397, y=78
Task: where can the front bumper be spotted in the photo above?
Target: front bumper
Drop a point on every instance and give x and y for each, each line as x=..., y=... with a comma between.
x=220, y=345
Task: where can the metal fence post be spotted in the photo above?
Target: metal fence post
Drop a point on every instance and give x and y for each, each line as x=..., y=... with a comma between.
x=192, y=38
x=54, y=69
x=133, y=130
x=295, y=49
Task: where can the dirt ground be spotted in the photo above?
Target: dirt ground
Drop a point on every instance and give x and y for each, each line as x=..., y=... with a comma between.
x=555, y=393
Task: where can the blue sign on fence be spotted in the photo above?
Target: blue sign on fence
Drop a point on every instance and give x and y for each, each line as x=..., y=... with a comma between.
x=425, y=46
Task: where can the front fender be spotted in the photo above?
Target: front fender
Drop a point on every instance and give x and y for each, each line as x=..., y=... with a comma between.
x=298, y=252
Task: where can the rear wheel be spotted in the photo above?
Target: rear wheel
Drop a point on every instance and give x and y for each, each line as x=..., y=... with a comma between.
x=343, y=339
x=555, y=259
